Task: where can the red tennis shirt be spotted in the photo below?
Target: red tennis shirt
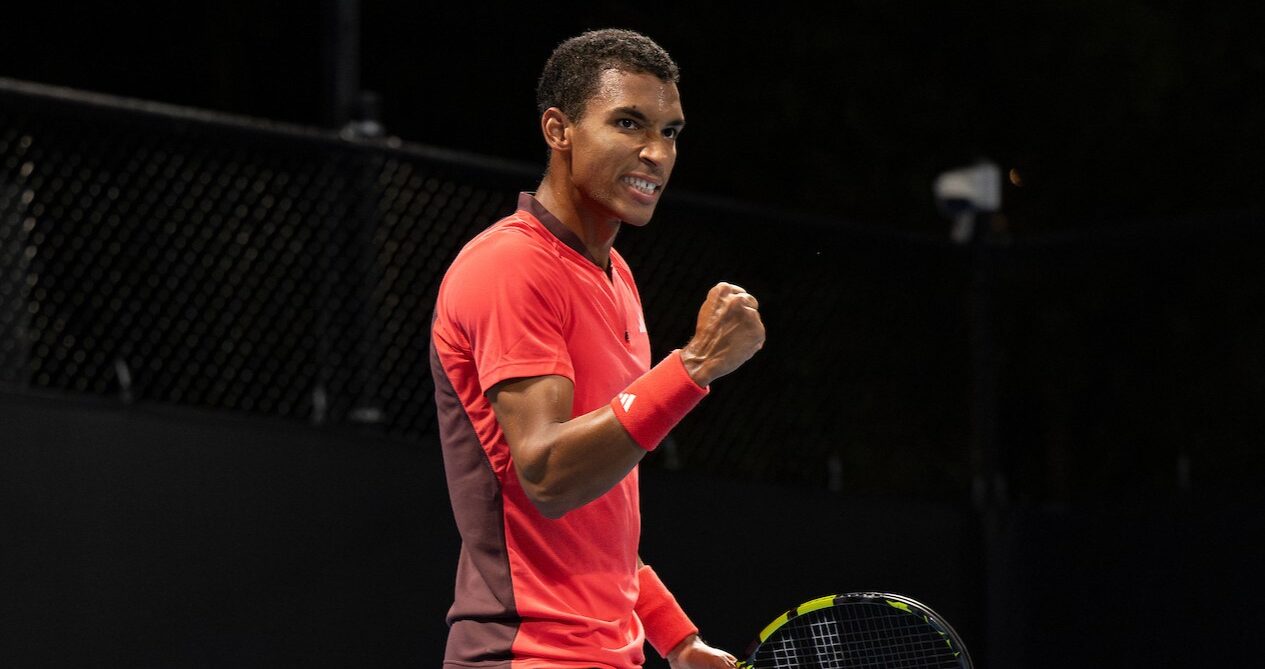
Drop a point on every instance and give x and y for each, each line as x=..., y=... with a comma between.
x=524, y=299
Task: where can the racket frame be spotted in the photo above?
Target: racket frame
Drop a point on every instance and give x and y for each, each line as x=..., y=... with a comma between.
x=900, y=602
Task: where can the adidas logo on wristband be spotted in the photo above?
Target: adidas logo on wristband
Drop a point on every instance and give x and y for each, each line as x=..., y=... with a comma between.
x=669, y=392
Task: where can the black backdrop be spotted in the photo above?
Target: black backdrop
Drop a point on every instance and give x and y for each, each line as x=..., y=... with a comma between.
x=162, y=537
x=217, y=431
x=148, y=536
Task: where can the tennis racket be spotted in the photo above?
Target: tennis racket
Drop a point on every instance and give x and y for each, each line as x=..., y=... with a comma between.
x=859, y=629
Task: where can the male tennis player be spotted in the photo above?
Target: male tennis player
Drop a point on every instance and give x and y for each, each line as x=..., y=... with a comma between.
x=546, y=397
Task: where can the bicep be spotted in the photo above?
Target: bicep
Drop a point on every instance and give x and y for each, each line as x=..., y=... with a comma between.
x=527, y=410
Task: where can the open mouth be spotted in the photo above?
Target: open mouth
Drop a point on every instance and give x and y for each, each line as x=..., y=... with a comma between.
x=641, y=185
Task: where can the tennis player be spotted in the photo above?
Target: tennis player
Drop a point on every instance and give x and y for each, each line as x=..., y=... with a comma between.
x=546, y=397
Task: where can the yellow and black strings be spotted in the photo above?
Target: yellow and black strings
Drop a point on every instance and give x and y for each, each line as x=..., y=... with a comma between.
x=856, y=635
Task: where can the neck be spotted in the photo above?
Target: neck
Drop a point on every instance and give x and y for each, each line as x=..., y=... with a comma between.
x=596, y=232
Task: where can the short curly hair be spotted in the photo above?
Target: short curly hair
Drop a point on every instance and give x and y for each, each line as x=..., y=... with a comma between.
x=571, y=74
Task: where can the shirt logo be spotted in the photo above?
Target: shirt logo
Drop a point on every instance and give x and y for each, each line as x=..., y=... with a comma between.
x=626, y=401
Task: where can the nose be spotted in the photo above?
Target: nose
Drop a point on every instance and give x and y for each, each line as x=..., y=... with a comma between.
x=659, y=151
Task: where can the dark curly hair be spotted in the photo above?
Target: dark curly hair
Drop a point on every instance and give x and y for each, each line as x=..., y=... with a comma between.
x=572, y=72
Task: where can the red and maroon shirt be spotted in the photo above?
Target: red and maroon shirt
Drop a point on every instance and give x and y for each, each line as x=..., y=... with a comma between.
x=524, y=299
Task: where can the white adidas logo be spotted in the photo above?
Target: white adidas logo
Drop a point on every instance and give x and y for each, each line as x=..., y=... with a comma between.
x=626, y=401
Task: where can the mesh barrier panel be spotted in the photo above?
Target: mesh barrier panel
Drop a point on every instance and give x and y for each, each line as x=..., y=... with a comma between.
x=866, y=365
x=172, y=256
x=1134, y=362
x=165, y=256
x=225, y=267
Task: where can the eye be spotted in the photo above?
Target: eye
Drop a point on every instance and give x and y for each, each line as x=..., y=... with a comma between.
x=627, y=124
x=671, y=133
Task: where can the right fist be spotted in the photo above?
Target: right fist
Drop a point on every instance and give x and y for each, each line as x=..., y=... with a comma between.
x=729, y=331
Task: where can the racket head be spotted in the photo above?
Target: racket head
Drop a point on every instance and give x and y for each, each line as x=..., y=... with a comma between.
x=858, y=629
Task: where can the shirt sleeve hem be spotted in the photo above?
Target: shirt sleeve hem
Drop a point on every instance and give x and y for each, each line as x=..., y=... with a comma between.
x=524, y=370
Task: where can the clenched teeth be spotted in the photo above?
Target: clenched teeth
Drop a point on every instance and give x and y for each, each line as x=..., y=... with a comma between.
x=641, y=184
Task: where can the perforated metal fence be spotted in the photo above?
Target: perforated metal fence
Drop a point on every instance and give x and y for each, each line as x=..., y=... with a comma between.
x=170, y=256
x=175, y=259
x=1133, y=362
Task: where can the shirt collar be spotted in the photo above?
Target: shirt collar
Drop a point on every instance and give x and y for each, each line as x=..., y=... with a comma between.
x=527, y=202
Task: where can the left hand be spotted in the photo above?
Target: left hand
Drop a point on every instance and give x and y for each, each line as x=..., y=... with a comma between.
x=692, y=653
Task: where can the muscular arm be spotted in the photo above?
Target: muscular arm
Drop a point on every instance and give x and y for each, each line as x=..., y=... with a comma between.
x=562, y=463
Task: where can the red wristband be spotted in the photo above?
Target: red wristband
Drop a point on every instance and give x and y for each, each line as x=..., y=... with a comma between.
x=665, y=623
x=653, y=404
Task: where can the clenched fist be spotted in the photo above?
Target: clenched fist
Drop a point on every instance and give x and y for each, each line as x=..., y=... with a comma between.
x=728, y=333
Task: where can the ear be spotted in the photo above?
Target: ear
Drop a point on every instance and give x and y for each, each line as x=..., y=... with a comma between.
x=556, y=128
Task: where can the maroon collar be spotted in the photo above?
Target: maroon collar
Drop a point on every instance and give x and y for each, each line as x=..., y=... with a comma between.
x=528, y=203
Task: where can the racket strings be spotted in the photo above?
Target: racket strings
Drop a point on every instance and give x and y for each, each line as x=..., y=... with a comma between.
x=857, y=635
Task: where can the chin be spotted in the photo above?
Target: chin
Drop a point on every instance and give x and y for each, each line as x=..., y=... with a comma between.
x=637, y=217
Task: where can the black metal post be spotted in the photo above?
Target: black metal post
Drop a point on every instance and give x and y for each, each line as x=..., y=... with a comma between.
x=340, y=55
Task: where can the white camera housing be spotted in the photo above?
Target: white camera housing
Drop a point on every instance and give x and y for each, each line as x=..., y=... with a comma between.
x=976, y=188
x=963, y=193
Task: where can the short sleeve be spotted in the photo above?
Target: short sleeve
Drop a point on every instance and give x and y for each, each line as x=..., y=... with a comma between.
x=503, y=295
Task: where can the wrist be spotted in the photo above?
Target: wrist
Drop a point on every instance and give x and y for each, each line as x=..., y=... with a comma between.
x=688, y=641
x=696, y=367
x=653, y=404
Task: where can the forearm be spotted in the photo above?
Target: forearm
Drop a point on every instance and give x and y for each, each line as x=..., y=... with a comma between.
x=565, y=465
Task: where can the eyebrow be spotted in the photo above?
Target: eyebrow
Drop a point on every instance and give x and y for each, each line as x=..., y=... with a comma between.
x=635, y=113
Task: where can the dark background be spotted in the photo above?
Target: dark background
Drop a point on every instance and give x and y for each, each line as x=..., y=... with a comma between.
x=1112, y=111
x=1051, y=435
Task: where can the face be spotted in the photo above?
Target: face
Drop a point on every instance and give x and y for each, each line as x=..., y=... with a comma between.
x=624, y=146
